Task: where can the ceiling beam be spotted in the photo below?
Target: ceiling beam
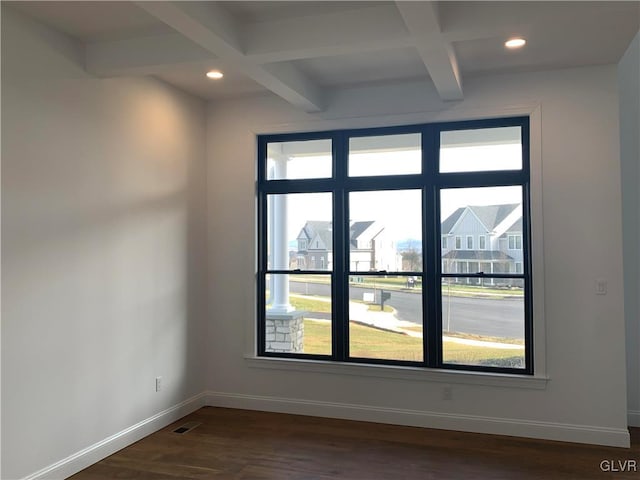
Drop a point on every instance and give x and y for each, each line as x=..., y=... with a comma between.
x=213, y=28
x=421, y=18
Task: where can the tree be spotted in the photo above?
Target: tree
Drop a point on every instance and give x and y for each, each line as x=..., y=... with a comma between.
x=412, y=260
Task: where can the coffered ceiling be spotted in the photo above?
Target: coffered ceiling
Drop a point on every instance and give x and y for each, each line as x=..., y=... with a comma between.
x=301, y=50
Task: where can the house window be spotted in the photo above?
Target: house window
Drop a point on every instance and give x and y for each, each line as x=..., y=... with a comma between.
x=375, y=201
x=302, y=244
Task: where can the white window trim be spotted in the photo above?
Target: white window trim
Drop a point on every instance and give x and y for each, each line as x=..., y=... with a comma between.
x=480, y=247
x=418, y=374
x=534, y=111
x=467, y=244
x=458, y=237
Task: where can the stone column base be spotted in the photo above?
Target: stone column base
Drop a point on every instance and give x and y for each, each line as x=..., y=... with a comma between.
x=285, y=332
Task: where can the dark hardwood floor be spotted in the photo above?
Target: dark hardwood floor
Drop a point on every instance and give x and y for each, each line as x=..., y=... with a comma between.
x=241, y=444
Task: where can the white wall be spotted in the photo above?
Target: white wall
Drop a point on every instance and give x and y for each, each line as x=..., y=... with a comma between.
x=629, y=88
x=585, y=397
x=103, y=248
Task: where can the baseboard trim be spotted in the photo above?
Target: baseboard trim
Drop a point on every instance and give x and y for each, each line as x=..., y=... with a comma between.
x=415, y=418
x=96, y=452
x=467, y=423
x=633, y=418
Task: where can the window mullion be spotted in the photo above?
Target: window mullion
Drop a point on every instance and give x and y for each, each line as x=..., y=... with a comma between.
x=340, y=293
x=430, y=245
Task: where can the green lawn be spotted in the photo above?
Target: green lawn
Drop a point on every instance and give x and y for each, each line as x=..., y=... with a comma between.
x=471, y=290
x=310, y=304
x=453, y=352
x=375, y=307
x=317, y=304
x=367, y=342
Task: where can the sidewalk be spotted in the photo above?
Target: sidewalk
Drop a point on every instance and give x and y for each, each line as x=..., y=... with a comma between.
x=360, y=313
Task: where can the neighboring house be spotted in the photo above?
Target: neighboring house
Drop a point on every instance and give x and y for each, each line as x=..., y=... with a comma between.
x=315, y=246
x=371, y=249
x=483, y=239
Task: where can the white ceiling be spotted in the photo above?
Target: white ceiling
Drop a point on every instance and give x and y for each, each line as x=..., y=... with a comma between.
x=299, y=50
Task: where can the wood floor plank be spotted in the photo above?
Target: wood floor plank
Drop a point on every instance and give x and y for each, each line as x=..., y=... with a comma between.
x=242, y=445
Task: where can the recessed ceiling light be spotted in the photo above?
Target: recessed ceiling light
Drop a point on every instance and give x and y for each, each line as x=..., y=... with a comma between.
x=515, y=43
x=215, y=74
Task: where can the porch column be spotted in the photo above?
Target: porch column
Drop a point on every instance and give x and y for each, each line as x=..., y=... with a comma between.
x=284, y=326
x=279, y=247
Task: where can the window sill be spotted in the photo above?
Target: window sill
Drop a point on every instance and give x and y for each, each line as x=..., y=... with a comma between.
x=402, y=373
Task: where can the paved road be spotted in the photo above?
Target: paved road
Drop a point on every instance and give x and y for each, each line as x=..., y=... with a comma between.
x=479, y=316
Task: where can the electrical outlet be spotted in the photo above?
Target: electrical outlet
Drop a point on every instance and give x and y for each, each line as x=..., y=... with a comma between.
x=601, y=286
x=447, y=392
x=158, y=384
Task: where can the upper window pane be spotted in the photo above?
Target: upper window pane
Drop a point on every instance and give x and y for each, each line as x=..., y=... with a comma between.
x=385, y=155
x=299, y=160
x=385, y=231
x=481, y=150
x=494, y=214
x=299, y=231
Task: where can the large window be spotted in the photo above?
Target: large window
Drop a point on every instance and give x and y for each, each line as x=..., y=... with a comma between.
x=353, y=257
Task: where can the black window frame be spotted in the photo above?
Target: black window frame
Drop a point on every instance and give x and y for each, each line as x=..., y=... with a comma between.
x=431, y=182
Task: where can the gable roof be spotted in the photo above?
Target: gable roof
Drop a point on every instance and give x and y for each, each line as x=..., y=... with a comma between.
x=516, y=227
x=492, y=215
x=451, y=220
x=357, y=229
x=312, y=227
x=325, y=236
x=489, y=215
x=322, y=229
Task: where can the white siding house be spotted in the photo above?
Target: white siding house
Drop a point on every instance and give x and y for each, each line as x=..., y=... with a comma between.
x=371, y=249
x=484, y=239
